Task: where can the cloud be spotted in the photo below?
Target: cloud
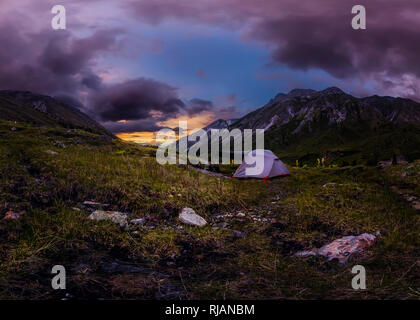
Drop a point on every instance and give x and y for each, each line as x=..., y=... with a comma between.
x=135, y=100
x=309, y=34
x=140, y=104
x=50, y=62
x=196, y=106
x=132, y=126
x=63, y=65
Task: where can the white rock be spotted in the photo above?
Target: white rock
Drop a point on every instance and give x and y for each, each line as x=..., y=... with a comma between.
x=114, y=216
x=188, y=216
x=240, y=214
x=137, y=221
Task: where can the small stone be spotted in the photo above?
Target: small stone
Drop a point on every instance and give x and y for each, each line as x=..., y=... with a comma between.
x=51, y=152
x=13, y=128
x=188, y=216
x=221, y=225
x=60, y=144
x=95, y=204
x=239, y=234
x=138, y=221
x=114, y=216
x=329, y=184
x=76, y=209
x=11, y=215
x=240, y=214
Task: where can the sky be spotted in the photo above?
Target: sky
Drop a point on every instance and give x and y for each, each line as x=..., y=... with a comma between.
x=137, y=66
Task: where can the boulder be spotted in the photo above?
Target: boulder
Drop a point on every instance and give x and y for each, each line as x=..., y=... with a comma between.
x=188, y=216
x=343, y=248
x=114, y=216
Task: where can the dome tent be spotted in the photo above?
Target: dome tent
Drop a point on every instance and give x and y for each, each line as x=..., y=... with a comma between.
x=253, y=160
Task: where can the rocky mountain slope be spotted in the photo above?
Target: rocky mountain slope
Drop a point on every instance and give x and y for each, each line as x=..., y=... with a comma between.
x=40, y=110
x=305, y=124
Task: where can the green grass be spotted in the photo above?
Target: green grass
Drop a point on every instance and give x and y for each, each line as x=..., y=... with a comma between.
x=196, y=263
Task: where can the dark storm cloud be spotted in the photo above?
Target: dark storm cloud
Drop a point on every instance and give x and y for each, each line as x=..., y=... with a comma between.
x=143, y=102
x=327, y=41
x=311, y=34
x=71, y=101
x=196, y=106
x=92, y=81
x=136, y=99
x=132, y=126
x=60, y=64
x=64, y=55
x=50, y=62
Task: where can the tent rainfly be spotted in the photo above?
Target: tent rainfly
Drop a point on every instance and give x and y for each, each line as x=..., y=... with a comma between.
x=253, y=161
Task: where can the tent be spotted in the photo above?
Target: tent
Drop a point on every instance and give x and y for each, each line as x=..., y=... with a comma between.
x=253, y=161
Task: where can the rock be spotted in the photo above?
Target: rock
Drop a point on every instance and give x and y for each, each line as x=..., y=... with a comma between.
x=13, y=128
x=409, y=198
x=76, y=209
x=188, y=216
x=95, y=204
x=11, y=215
x=239, y=234
x=329, y=184
x=140, y=221
x=68, y=296
x=51, y=152
x=385, y=163
x=221, y=225
x=60, y=144
x=240, y=214
x=342, y=248
x=114, y=216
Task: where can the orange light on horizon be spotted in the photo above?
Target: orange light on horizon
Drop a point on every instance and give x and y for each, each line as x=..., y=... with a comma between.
x=138, y=137
x=193, y=123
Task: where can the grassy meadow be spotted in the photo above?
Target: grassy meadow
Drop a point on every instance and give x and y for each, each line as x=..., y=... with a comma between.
x=49, y=173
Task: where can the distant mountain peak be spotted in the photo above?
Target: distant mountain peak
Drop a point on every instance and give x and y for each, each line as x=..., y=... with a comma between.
x=332, y=90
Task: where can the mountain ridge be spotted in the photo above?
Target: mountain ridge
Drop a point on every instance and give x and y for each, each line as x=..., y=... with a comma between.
x=42, y=110
x=308, y=124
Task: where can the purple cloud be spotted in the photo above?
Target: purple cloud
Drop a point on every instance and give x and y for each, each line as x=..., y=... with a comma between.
x=310, y=34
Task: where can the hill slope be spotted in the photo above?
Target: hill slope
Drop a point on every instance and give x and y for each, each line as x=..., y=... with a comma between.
x=307, y=124
x=39, y=110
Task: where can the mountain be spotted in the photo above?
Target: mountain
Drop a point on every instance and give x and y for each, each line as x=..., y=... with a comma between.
x=306, y=124
x=45, y=111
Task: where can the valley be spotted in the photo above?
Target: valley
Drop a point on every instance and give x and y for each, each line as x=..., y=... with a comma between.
x=247, y=250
